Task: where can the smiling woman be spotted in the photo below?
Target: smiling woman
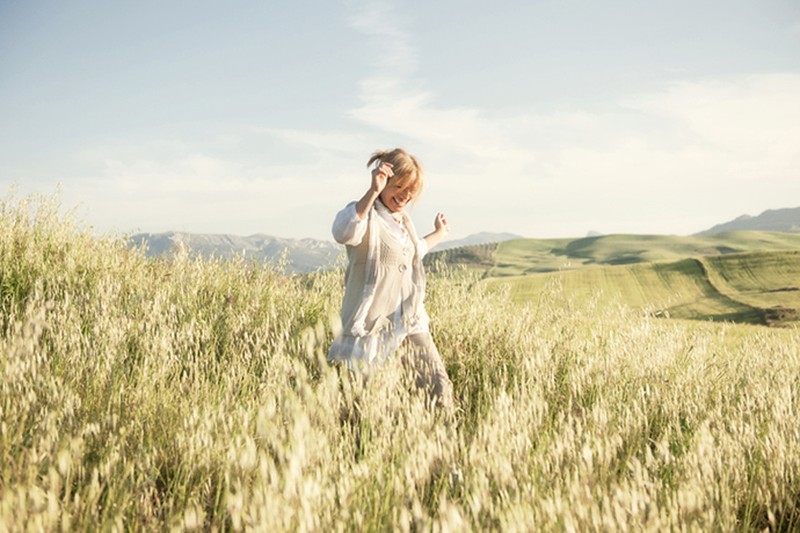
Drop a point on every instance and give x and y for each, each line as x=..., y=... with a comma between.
x=385, y=280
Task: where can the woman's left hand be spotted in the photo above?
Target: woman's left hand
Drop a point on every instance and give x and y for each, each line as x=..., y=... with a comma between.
x=440, y=223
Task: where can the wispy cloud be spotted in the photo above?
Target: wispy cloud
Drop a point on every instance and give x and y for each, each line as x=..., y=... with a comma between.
x=459, y=139
x=163, y=185
x=323, y=142
x=384, y=25
x=749, y=124
x=648, y=154
x=635, y=162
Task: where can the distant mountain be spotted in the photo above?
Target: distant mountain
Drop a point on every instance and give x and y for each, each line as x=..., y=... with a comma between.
x=296, y=255
x=475, y=239
x=771, y=220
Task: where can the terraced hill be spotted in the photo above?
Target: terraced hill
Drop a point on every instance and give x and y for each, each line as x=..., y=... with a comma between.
x=522, y=256
x=751, y=287
x=750, y=277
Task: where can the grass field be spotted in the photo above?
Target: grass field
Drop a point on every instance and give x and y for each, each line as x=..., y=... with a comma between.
x=524, y=256
x=755, y=287
x=745, y=276
x=189, y=395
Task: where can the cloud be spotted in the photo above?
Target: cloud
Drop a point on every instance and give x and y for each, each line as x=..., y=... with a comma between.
x=687, y=145
x=382, y=23
x=461, y=145
x=665, y=161
x=668, y=160
x=323, y=142
x=751, y=122
x=164, y=185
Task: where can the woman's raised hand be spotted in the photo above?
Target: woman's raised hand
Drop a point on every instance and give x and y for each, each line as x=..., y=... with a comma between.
x=441, y=229
x=380, y=176
x=440, y=224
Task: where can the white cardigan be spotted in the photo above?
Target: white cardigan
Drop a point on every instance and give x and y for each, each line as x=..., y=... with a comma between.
x=349, y=229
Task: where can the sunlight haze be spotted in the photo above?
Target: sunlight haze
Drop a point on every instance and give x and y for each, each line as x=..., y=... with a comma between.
x=540, y=118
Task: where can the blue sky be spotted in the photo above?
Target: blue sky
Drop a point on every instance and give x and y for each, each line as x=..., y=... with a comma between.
x=541, y=118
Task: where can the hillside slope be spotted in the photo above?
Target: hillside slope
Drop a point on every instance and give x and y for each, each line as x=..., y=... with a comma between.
x=753, y=287
x=742, y=276
x=523, y=256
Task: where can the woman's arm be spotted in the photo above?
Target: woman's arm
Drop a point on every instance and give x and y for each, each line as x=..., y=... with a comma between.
x=365, y=204
x=350, y=225
x=380, y=176
x=347, y=227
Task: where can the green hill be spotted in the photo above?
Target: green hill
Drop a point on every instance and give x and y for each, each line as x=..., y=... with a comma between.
x=752, y=287
x=522, y=256
x=743, y=276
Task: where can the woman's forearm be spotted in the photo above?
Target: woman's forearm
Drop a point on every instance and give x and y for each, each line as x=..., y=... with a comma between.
x=365, y=203
x=435, y=237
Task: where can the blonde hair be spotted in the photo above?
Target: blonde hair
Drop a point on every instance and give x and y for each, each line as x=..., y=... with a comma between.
x=408, y=172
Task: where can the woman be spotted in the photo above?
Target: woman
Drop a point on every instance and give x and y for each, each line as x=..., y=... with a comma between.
x=385, y=280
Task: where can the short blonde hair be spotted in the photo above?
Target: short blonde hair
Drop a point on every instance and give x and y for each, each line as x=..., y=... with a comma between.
x=408, y=172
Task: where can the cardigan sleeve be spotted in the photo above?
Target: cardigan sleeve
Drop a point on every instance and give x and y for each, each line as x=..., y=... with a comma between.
x=422, y=248
x=348, y=228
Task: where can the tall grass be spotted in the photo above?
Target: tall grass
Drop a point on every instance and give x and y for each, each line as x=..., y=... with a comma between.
x=185, y=394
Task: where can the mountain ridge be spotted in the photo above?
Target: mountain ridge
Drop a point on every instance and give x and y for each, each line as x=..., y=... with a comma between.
x=308, y=255
x=784, y=219
x=475, y=239
x=294, y=255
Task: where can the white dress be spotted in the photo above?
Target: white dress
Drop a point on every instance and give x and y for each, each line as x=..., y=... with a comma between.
x=349, y=229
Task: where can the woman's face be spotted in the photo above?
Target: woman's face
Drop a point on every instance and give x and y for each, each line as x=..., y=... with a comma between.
x=395, y=196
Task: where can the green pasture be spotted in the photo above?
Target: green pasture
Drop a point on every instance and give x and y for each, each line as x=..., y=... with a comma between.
x=525, y=256
x=759, y=279
x=753, y=287
x=741, y=276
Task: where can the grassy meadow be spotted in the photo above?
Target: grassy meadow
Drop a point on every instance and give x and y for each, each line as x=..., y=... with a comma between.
x=744, y=276
x=526, y=256
x=754, y=287
x=183, y=394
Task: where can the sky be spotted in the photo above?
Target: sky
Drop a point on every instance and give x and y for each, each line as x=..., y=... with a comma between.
x=535, y=117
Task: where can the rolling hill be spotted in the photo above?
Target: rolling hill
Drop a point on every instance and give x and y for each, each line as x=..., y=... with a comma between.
x=752, y=287
x=527, y=256
x=746, y=276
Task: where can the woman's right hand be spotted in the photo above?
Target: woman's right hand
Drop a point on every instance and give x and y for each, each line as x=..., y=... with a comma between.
x=380, y=176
